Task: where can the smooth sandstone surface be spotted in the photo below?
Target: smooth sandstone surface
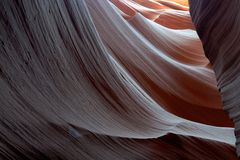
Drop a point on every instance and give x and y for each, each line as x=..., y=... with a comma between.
x=117, y=79
x=217, y=24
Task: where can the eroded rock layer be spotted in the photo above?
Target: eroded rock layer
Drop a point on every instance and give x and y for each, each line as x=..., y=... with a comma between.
x=217, y=24
x=99, y=79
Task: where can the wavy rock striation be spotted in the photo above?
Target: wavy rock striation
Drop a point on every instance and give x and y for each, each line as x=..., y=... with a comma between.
x=87, y=79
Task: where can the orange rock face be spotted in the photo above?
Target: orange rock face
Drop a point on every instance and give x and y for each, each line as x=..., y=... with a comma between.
x=198, y=99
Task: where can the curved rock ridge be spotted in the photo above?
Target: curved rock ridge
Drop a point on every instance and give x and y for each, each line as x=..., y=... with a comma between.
x=217, y=24
x=161, y=49
x=87, y=79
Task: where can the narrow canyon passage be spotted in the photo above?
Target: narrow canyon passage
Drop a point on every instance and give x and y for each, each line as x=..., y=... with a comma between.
x=119, y=79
